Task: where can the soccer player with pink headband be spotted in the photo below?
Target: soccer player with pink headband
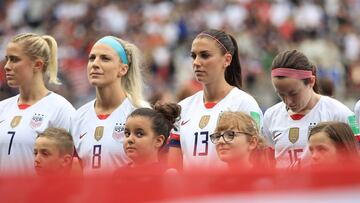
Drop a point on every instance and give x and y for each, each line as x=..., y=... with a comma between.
x=287, y=124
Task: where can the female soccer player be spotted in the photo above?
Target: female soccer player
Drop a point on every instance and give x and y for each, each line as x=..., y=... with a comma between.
x=238, y=142
x=217, y=67
x=98, y=126
x=29, y=57
x=287, y=124
x=333, y=143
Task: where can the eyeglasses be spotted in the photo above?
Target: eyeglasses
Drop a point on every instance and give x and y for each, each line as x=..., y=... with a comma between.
x=227, y=136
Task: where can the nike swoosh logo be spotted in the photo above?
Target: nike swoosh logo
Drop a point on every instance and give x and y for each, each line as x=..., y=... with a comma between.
x=2, y=121
x=277, y=135
x=183, y=123
x=82, y=135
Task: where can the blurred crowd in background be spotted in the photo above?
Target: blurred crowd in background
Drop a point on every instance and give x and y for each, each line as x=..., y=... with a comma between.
x=327, y=31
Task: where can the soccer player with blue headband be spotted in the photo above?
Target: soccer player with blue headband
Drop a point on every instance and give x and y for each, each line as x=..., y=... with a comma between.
x=98, y=126
x=113, y=43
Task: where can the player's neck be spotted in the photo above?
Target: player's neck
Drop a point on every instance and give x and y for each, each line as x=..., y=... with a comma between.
x=311, y=104
x=30, y=94
x=108, y=99
x=216, y=92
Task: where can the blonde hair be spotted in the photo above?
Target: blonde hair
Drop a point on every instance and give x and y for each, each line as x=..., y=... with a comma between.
x=132, y=82
x=245, y=123
x=240, y=121
x=63, y=140
x=41, y=47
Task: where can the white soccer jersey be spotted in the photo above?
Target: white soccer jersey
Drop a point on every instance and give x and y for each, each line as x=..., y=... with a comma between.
x=99, y=143
x=198, y=122
x=357, y=112
x=19, y=129
x=289, y=138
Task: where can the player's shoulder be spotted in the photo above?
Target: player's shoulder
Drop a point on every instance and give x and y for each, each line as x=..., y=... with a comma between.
x=195, y=98
x=84, y=108
x=357, y=106
x=331, y=103
x=9, y=101
x=275, y=109
x=241, y=99
x=58, y=100
x=236, y=93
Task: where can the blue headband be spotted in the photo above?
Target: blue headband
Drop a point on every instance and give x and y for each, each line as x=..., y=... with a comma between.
x=113, y=43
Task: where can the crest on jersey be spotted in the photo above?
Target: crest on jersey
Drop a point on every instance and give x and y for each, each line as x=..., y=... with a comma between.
x=36, y=120
x=15, y=121
x=118, y=133
x=204, y=121
x=293, y=135
x=99, y=131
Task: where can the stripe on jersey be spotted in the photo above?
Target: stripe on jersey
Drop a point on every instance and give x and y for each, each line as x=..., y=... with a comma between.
x=174, y=136
x=297, y=116
x=210, y=105
x=103, y=116
x=23, y=106
x=174, y=140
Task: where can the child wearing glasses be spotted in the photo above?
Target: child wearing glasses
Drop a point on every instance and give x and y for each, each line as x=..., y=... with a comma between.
x=238, y=142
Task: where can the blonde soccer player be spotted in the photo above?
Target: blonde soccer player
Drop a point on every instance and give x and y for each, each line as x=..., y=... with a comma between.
x=98, y=126
x=29, y=58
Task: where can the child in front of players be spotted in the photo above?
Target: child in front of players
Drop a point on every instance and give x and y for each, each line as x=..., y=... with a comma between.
x=53, y=150
x=238, y=142
x=146, y=132
x=332, y=143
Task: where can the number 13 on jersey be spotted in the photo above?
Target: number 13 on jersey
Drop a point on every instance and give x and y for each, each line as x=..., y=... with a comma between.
x=201, y=143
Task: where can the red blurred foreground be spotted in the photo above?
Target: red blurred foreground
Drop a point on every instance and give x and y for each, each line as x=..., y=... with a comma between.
x=340, y=184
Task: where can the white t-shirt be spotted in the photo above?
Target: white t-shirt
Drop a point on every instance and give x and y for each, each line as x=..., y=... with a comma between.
x=289, y=138
x=20, y=127
x=99, y=143
x=198, y=122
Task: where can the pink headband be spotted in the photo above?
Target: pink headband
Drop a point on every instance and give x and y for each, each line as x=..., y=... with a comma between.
x=214, y=38
x=291, y=73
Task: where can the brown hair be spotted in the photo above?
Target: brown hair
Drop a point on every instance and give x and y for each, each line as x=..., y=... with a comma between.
x=341, y=134
x=162, y=117
x=227, y=43
x=295, y=60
